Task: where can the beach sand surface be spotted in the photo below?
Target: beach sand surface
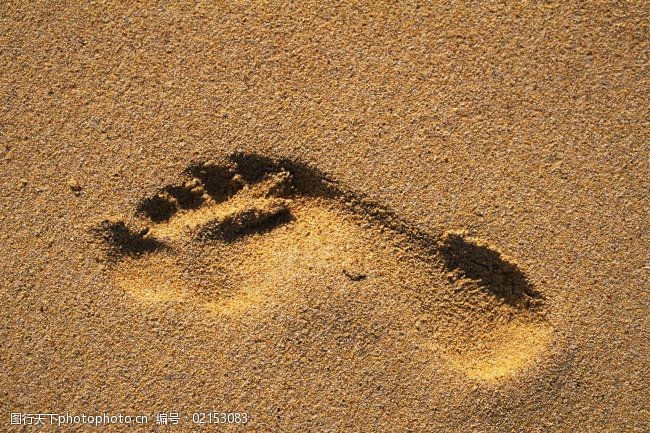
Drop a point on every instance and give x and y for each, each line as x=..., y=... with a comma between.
x=360, y=217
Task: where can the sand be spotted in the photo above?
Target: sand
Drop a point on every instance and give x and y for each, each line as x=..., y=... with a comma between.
x=333, y=218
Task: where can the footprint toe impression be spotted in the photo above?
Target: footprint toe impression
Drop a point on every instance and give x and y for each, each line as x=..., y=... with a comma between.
x=252, y=232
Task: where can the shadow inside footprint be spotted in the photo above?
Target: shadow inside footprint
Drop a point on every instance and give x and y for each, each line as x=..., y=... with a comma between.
x=218, y=181
x=305, y=180
x=246, y=222
x=495, y=273
x=157, y=208
x=126, y=242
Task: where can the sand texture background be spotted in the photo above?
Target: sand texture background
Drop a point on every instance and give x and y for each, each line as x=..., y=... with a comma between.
x=297, y=210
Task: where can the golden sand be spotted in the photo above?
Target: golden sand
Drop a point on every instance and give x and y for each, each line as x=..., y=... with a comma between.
x=333, y=217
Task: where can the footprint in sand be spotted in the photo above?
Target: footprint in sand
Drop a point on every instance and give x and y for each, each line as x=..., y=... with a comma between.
x=238, y=235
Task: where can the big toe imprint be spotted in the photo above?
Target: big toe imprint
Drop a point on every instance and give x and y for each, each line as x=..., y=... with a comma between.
x=249, y=232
